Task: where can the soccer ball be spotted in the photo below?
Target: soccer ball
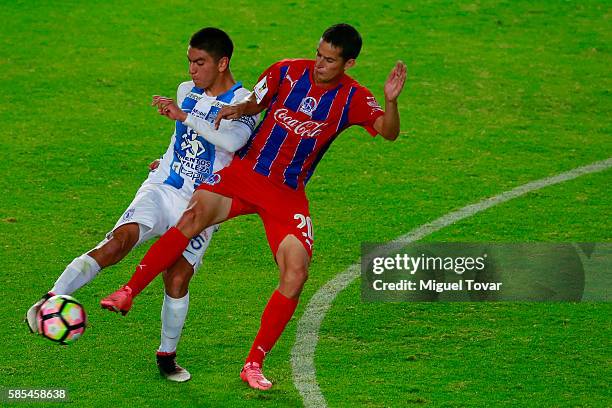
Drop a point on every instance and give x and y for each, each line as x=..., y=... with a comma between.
x=62, y=319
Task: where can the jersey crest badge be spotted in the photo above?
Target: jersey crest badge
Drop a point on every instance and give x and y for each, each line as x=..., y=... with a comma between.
x=308, y=105
x=212, y=179
x=128, y=214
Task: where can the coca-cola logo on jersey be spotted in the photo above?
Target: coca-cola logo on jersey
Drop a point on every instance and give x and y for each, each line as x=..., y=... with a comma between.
x=309, y=128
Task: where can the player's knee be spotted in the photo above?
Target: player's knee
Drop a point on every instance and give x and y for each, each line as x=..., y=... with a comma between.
x=177, y=277
x=295, y=275
x=106, y=255
x=126, y=237
x=293, y=262
x=292, y=283
x=116, y=248
x=301, y=274
x=189, y=215
x=176, y=285
x=192, y=221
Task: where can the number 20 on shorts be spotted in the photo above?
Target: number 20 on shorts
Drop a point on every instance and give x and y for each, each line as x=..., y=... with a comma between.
x=305, y=223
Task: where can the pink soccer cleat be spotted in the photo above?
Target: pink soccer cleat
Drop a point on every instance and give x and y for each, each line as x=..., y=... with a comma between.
x=251, y=373
x=118, y=301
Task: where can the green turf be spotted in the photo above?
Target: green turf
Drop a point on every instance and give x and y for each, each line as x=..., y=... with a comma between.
x=499, y=94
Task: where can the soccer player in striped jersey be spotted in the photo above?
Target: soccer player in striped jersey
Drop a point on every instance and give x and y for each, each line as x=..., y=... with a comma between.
x=309, y=103
x=195, y=151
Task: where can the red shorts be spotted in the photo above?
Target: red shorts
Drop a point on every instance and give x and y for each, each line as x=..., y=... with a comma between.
x=283, y=211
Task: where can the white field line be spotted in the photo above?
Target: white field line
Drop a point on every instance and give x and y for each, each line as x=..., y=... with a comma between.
x=307, y=335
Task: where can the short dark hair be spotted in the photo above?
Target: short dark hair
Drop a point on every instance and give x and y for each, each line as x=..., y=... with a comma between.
x=214, y=41
x=346, y=37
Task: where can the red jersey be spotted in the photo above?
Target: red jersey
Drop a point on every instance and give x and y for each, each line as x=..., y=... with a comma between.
x=302, y=120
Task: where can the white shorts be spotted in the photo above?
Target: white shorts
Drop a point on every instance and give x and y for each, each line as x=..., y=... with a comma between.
x=156, y=208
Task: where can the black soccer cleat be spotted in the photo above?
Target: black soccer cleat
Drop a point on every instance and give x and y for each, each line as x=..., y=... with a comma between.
x=166, y=362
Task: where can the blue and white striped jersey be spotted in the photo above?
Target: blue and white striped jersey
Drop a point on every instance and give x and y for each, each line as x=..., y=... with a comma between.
x=190, y=158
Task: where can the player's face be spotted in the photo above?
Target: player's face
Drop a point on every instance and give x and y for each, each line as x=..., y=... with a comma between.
x=203, y=68
x=329, y=64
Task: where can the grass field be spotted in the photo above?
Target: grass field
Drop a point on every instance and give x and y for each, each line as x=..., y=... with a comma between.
x=499, y=94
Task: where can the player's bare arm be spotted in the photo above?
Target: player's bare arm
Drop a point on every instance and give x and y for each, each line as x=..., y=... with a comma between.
x=388, y=125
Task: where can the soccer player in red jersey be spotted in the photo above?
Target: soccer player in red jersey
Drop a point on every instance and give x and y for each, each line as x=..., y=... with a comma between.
x=309, y=103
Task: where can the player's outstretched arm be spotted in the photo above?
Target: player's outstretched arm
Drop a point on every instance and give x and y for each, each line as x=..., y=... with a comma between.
x=248, y=107
x=388, y=125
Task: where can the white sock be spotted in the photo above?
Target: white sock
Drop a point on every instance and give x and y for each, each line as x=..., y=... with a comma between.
x=173, y=314
x=76, y=275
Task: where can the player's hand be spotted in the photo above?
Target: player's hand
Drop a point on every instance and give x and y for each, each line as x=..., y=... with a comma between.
x=229, y=112
x=167, y=107
x=395, y=82
x=154, y=165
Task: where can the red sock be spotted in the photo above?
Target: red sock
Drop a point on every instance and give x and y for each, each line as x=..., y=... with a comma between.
x=162, y=255
x=275, y=317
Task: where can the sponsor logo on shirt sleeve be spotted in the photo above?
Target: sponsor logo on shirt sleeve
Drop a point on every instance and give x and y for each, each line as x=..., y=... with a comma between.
x=372, y=103
x=261, y=89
